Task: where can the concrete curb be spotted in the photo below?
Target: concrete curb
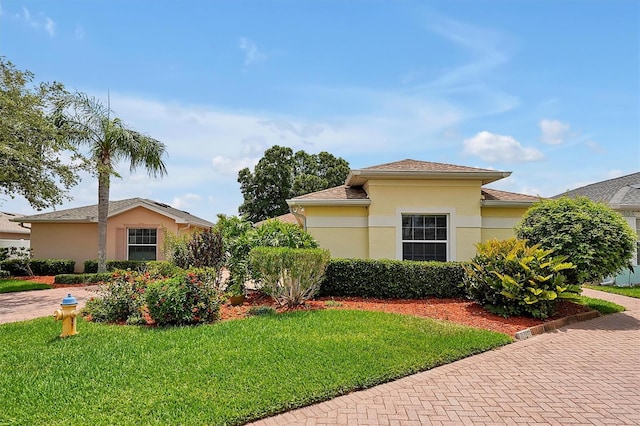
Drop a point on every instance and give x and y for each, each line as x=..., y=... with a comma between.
x=555, y=324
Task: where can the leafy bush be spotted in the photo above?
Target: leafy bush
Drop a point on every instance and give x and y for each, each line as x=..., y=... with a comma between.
x=290, y=276
x=119, y=299
x=183, y=300
x=17, y=261
x=82, y=278
x=162, y=269
x=4, y=274
x=593, y=236
x=260, y=310
x=196, y=250
x=387, y=279
x=91, y=266
x=52, y=266
x=510, y=278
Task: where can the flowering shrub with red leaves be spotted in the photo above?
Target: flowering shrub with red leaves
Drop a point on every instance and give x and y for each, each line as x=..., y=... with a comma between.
x=183, y=300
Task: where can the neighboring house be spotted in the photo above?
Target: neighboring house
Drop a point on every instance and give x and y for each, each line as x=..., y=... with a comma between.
x=135, y=231
x=410, y=209
x=623, y=195
x=11, y=233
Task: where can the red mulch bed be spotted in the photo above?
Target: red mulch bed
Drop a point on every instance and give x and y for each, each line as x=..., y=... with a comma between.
x=456, y=310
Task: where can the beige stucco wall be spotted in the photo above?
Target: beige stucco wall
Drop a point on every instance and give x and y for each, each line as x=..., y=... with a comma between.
x=498, y=222
x=376, y=231
x=76, y=241
x=79, y=241
x=390, y=199
x=341, y=230
x=13, y=236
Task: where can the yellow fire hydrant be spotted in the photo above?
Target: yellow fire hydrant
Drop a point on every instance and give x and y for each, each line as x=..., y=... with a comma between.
x=68, y=315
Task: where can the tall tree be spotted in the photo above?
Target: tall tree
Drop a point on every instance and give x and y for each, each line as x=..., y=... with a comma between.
x=89, y=122
x=35, y=156
x=280, y=174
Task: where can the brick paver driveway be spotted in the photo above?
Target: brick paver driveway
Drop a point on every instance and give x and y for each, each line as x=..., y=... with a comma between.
x=25, y=305
x=586, y=373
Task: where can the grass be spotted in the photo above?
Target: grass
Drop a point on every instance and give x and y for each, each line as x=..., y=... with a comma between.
x=603, y=306
x=225, y=373
x=11, y=285
x=624, y=291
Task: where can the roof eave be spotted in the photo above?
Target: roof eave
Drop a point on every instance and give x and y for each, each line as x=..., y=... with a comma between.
x=507, y=203
x=77, y=220
x=360, y=177
x=329, y=202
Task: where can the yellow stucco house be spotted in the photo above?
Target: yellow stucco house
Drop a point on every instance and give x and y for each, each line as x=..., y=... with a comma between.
x=135, y=231
x=411, y=210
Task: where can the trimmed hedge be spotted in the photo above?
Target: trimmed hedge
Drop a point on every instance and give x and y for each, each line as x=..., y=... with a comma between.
x=83, y=278
x=387, y=279
x=38, y=266
x=91, y=266
x=4, y=274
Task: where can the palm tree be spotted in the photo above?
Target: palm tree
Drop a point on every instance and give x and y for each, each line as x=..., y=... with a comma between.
x=89, y=122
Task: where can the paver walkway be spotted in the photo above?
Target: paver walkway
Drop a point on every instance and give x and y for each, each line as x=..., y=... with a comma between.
x=586, y=373
x=24, y=305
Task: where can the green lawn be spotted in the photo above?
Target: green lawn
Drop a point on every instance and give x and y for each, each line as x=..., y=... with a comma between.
x=226, y=373
x=624, y=291
x=603, y=306
x=11, y=285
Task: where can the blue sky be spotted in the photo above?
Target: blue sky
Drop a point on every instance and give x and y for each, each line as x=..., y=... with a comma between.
x=549, y=90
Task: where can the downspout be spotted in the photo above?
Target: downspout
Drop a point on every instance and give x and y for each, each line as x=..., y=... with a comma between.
x=294, y=211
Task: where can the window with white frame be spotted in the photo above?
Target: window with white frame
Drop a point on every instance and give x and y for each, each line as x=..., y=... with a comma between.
x=142, y=243
x=424, y=237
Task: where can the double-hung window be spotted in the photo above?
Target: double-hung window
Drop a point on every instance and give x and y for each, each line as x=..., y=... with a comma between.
x=142, y=244
x=424, y=237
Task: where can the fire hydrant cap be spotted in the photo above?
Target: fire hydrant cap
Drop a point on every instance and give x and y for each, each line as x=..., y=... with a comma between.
x=69, y=300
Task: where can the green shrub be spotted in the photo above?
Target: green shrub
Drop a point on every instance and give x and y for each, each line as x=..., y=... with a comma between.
x=387, y=279
x=16, y=267
x=289, y=275
x=594, y=237
x=52, y=266
x=260, y=310
x=510, y=278
x=162, y=268
x=91, y=266
x=203, y=248
x=82, y=278
x=4, y=274
x=183, y=300
x=120, y=298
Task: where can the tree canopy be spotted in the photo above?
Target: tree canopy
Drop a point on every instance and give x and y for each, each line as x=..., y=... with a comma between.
x=89, y=122
x=595, y=238
x=281, y=174
x=36, y=158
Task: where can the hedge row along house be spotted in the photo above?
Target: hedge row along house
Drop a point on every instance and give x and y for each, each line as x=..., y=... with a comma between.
x=135, y=231
x=410, y=210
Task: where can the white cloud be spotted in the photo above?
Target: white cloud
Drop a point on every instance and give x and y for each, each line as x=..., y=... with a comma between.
x=251, y=53
x=79, y=32
x=494, y=147
x=185, y=201
x=40, y=22
x=596, y=147
x=231, y=166
x=553, y=132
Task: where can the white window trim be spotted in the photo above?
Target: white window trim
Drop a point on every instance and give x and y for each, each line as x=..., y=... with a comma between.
x=451, y=227
x=141, y=245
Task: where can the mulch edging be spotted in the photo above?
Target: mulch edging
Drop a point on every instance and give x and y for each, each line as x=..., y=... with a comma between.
x=555, y=324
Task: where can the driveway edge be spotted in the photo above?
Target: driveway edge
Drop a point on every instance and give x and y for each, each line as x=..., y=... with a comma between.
x=555, y=324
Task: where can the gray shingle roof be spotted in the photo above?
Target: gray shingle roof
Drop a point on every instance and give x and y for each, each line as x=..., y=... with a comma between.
x=619, y=192
x=90, y=213
x=13, y=227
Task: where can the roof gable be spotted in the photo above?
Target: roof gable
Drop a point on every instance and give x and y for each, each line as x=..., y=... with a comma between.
x=89, y=214
x=11, y=227
x=415, y=169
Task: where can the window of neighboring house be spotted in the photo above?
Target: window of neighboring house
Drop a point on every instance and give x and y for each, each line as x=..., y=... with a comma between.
x=424, y=237
x=142, y=244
